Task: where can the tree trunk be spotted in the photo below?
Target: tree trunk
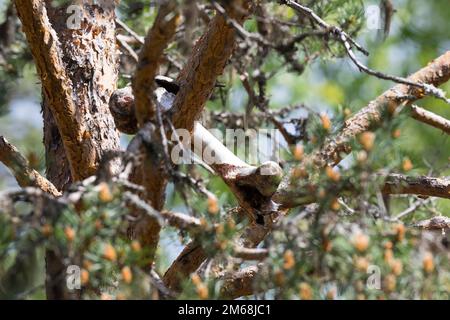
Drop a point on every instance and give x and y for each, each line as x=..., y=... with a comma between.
x=89, y=56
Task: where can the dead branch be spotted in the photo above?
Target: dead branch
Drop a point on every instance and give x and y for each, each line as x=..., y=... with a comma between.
x=252, y=185
x=129, y=50
x=435, y=223
x=19, y=166
x=430, y=118
x=416, y=205
x=155, y=279
x=124, y=26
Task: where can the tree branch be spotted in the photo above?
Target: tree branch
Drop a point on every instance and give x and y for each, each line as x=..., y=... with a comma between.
x=239, y=283
x=187, y=262
x=250, y=253
x=436, y=73
x=25, y=176
x=348, y=42
x=148, y=172
x=430, y=118
x=424, y=186
x=210, y=54
x=252, y=185
x=193, y=255
x=150, y=56
x=56, y=84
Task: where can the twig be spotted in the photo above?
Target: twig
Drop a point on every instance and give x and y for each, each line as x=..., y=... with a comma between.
x=127, y=47
x=417, y=204
x=124, y=26
x=332, y=29
x=348, y=42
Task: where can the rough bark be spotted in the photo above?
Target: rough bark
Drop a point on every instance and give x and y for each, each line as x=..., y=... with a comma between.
x=78, y=70
x=150, y=171
x=240, y=283
x=209, y=57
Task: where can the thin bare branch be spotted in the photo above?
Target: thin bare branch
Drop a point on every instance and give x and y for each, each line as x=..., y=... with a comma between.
x=19, y=166
x=132, y=33
x=416, y=205
x=348, y=42
x=430, y=118
x=129, y=50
